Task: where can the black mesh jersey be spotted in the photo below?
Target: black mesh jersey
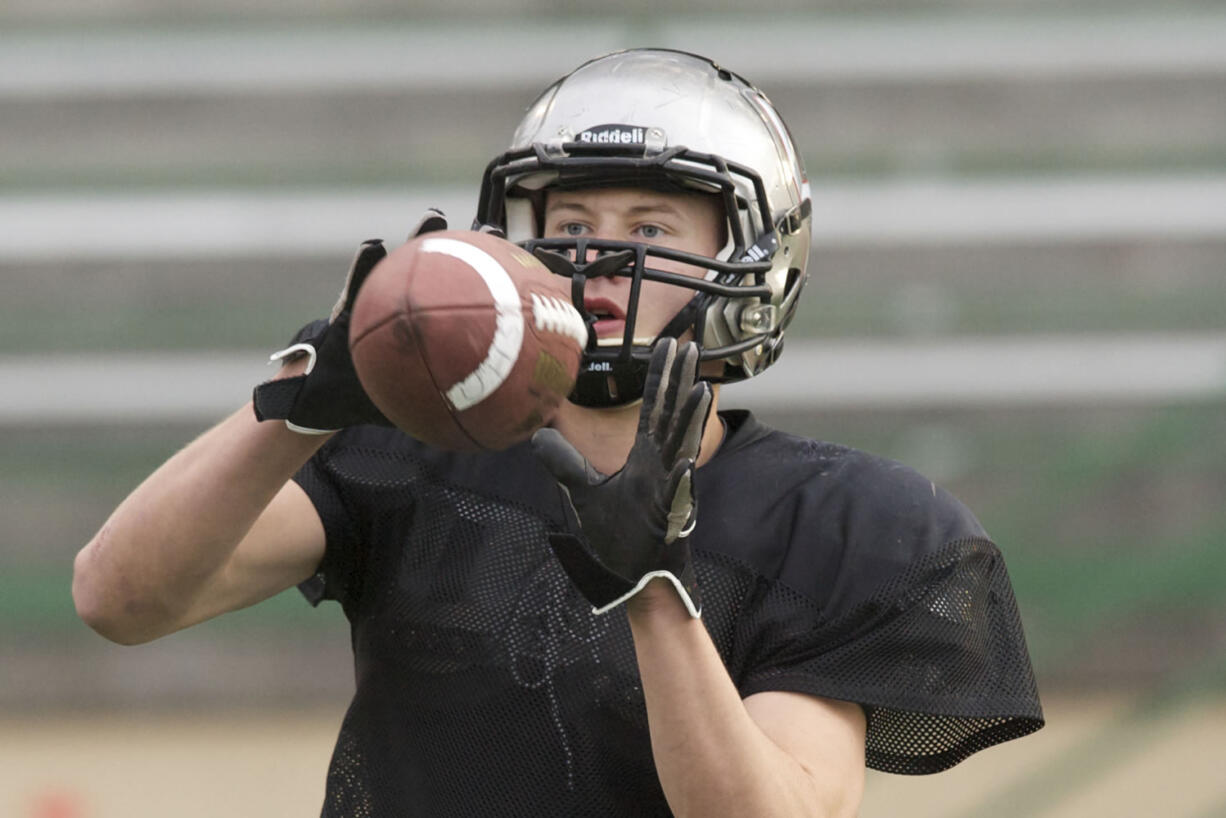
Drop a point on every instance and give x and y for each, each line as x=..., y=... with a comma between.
x=485, y=685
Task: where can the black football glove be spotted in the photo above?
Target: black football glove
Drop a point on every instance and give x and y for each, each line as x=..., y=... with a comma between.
x=328, y=395
x=636, y=523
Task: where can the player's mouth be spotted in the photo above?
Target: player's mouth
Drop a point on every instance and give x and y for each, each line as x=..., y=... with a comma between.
x=610, y=317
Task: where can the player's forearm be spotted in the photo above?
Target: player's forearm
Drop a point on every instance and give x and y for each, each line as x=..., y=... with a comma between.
x=712, y=758
x=178, y=528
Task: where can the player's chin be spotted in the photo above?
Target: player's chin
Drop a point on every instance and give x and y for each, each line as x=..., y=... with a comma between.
x=609, y=331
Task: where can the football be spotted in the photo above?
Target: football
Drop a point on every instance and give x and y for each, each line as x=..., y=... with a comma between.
x=465, y=341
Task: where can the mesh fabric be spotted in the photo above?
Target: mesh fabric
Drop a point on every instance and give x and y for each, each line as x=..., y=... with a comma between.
x=484, y=684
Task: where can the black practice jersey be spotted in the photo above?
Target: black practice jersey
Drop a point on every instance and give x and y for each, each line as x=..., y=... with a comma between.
x=486, y=686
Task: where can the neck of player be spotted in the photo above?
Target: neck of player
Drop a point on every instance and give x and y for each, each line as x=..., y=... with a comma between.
x=605, y=436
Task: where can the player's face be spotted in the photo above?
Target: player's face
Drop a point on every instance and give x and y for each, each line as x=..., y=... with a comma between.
x=692, y=222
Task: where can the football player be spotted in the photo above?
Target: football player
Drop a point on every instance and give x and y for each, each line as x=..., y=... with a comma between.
x=652, y=608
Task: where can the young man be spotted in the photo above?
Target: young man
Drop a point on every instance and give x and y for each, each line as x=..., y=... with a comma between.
x=651, y=609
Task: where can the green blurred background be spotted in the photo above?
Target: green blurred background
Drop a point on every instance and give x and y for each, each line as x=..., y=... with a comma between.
x=1018, y=286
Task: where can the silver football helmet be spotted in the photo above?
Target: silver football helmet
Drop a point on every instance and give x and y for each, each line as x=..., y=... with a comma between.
x=673, y=121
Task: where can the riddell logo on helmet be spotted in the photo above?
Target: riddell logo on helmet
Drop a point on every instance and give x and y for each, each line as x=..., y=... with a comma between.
x=613, y=135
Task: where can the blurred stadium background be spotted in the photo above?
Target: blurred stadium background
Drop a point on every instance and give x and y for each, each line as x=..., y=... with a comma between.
x=1018, y=286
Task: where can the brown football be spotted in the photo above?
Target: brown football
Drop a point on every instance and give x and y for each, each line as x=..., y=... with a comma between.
x=465, y=341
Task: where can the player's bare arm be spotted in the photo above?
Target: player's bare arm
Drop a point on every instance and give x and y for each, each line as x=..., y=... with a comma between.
x=220, y=526
x=774, y=753
x=216, y=528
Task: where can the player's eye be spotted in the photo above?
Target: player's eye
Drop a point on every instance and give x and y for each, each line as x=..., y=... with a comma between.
x=573, y=229
x=650, y=231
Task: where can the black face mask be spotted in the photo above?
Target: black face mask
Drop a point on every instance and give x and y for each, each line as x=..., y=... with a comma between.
x=614, y=375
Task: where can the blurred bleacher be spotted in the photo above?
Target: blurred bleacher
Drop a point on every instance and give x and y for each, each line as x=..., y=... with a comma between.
x=1018, y=283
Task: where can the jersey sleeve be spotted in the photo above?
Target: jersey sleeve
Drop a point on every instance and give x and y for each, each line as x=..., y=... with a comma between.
x=916, y=621
x=338, y=571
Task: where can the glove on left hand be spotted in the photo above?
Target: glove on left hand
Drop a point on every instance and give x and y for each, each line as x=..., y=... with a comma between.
x=636, y=523
x=328, y=396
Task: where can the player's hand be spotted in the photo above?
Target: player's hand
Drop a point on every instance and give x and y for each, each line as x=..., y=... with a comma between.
x=636, y=523
x=328, y=396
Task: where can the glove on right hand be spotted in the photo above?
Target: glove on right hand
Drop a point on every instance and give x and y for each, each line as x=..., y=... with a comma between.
x=328, y=396
x=636, y=523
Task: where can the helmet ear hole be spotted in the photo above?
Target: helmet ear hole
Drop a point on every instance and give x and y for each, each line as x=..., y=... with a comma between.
x=794, y=274
x=791, y=298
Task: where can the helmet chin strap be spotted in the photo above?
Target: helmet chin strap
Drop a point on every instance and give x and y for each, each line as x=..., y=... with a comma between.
x=620, y=384
x=608, y=384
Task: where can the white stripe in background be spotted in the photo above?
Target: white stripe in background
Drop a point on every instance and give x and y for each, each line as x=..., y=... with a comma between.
x=990, y=372
x=83, y=225
x=93, y=226
x=42, y=65
x=1080, y=208
x=812, y=375
x=337, y=59
x=47, y=390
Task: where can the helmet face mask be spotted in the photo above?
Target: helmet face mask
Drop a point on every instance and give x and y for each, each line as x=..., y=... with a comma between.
x=721, y=137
